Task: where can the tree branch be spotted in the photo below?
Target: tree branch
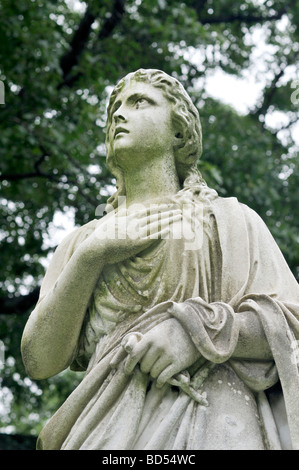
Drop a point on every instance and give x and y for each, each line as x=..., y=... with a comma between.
x=38, y=173
x=244, y=18
x=50, y=177
x=269, y=94
x=31, y=174
x=81, y=37
x=19, y=176
x=199, y=6
x=115, y=18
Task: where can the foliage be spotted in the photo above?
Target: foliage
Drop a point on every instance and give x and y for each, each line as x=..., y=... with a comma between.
x=59, y=60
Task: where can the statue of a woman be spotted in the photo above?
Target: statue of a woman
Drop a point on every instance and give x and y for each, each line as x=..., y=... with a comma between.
x=180, y=337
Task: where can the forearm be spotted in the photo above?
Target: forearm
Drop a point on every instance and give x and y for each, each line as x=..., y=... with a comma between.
x=252, y=342
x=52, y=331
x=219, y=332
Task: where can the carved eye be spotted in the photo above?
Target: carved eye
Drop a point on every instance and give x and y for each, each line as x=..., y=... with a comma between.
x=139, y=102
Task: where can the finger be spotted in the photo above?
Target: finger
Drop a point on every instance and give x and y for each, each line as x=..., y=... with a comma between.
x=159, y=366
x=165, y=375
x=165, y=221
x=155, y=209
x=134, y=357
x=158, y=217
x=177, y=307
x=119, y=356
x=161, y=234
x=149, y=359
x=155, y=228
x=137, y=229
x=129, y=342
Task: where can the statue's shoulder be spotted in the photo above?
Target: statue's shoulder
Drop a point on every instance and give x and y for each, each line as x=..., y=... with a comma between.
x=231, y=207
x=231, y=202
x=77, y=236
x=227, y=204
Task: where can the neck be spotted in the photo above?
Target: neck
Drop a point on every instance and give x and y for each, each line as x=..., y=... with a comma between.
x=151, y=182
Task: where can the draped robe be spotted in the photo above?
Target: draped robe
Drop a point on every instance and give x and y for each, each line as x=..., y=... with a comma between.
x=220, y=401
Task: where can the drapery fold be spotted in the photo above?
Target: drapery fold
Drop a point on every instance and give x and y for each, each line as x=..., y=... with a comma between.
x=212, y=327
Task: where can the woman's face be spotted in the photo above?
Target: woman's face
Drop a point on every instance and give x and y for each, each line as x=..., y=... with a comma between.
x=141, y=125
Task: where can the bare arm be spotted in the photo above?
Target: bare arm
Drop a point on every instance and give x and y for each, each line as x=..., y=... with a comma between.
x=51, y=334
x=167, y=349
x=252, y=343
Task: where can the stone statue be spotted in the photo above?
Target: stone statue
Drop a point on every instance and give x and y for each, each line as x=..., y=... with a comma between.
x=177, y=303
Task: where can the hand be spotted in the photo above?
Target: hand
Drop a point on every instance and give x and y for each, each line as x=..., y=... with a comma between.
x=126, y=232
x=162, y=352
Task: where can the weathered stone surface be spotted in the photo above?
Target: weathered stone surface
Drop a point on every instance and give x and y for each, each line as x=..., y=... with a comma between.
x=178, y=303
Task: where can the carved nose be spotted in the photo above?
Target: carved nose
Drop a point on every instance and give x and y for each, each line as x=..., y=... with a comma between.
x=118, y=117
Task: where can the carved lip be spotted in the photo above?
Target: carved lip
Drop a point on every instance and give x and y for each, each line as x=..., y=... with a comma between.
x=118, y=130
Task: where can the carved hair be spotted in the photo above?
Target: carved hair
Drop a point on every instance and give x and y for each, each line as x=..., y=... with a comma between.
x=185, y=116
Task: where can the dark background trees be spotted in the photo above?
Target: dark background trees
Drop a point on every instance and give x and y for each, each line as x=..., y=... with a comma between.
x=58, y=62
